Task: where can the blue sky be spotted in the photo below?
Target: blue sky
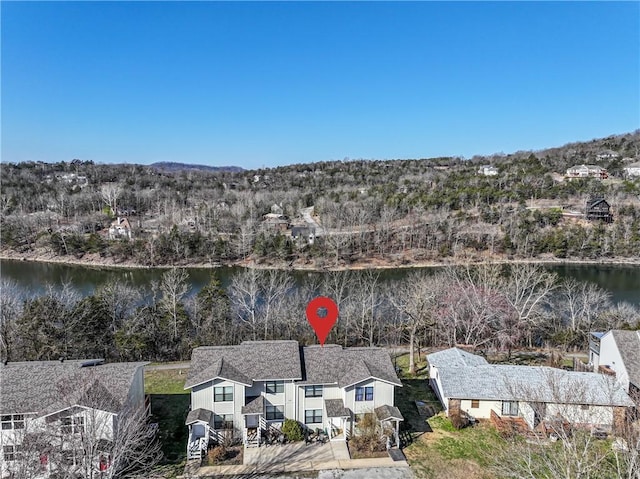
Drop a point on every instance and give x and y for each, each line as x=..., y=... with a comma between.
x=267, y=83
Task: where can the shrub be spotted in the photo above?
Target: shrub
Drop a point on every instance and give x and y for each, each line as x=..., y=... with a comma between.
x=458, y=421
x=292, y=430
x=216, y=454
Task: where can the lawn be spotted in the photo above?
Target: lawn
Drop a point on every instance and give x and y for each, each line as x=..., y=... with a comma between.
x=169, y=408
x=451, y=454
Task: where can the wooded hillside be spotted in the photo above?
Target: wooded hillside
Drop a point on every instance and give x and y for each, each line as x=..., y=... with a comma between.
x=327, y=214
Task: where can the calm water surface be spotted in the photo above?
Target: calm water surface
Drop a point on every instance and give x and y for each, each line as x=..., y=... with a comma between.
x=623, y=282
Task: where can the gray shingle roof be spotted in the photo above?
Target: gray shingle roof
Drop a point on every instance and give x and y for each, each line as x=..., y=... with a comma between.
x=531, y=383
x=628, y=343
x=335, y=408
x=255, y=406
x=333, y=364
x=386, y=412
x=43, y=387
x=250, y=361
x=454, y=357
x=199, y=415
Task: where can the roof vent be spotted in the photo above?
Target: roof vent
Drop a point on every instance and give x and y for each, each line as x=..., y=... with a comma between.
x=91, y=363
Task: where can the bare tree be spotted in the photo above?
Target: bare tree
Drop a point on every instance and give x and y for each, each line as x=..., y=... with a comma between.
x=110, y=193
x=244, y=292
x=174, y=287
x=415, y=299
x=580, y=304
x=10, y=311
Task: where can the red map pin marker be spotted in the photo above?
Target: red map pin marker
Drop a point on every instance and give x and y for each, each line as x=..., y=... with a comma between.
x=322, y=326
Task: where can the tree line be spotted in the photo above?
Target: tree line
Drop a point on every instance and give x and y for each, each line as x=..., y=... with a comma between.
x=492, y=308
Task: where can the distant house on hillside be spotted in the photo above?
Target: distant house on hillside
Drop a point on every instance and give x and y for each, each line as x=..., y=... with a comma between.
x=307, y=233
x=120, y=228
x=607, y=155
x=598, y=208
x=488, y=170
x=587, y=171
x=632, y=170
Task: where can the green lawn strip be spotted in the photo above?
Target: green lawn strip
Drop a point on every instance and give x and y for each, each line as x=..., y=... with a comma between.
x=169, y=381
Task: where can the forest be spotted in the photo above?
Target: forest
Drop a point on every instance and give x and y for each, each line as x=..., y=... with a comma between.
x=347, y=212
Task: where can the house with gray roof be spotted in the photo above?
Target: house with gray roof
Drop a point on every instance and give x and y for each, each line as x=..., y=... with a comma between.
x=246, y=391
x=534, y=395
x=617, y=352
x=68, y=399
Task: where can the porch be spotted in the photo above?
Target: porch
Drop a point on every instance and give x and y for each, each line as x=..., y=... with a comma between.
x=390, y=418
x=338, y=420
x=200, y=424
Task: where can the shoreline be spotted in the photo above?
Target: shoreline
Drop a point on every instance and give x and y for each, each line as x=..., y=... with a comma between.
x=102, y=263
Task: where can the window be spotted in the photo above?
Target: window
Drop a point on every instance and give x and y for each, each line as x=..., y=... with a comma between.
x=509, y=408
x=475, y=403
x=313, y=391
x=274, y=412
x=11, y=453
x=273, y=387
x=72, y=425
x=224, y=393
x=364, y=393
x=223, y=421
x=313, y=416
x=12, y=421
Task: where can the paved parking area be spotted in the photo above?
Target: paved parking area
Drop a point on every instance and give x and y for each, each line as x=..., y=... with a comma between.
x=297, y=452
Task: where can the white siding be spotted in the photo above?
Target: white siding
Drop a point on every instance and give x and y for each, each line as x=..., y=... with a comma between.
x=483, y=411
x=311, y=403
x=202, y=396
x=333, y=392
x=576, y=414
x=136, y=391
x=382, y=394
x=610, y=356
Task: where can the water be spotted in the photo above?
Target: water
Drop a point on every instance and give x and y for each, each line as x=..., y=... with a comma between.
x=623, y=282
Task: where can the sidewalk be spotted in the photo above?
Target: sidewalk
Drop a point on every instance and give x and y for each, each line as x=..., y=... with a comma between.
x=277, y=460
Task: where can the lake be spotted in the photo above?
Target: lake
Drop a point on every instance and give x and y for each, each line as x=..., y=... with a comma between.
x=623, y=282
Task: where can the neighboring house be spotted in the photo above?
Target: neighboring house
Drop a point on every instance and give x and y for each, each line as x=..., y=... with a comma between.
x=597, y=208
x=247, y=391
x=66, y=404
x=528, y=396
x=120, y=228
x=617, y=352
x=305, y=233
x=607, y=155
x=488, y=170
x=632, y=170
x=587, y=171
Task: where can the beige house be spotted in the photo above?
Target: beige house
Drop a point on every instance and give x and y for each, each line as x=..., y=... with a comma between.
x=247, y=391
x=587, y=171
x=530, y=396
